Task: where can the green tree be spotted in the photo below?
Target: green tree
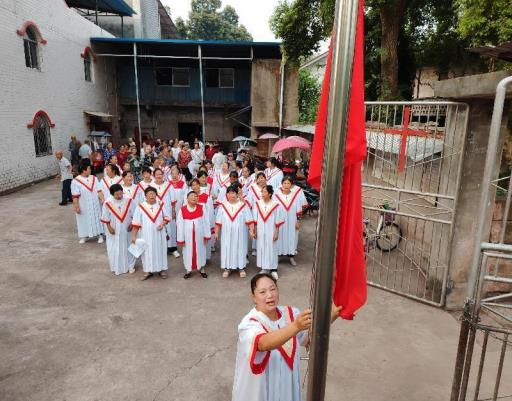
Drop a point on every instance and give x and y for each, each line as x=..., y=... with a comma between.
x=206, y=21
x=309, y=96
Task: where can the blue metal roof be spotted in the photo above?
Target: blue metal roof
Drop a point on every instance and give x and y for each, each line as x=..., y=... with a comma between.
x=109, y=6
x=185, y=42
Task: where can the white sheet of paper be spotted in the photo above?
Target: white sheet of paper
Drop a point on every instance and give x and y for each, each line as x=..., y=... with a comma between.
x=138, y=248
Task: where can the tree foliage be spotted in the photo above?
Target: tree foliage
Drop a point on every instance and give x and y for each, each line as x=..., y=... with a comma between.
x=206, y=21
x=309, y=96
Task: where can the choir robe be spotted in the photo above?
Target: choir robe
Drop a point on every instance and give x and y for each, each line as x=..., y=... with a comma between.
x=206, y=201
x=141, y=197
x=147, y=218
x=233, y=219
x=267, y=216
x=246, y=183
x=274, y=177
x=292, y=204
x=165, y=194
x=193, y=230
x=220, y=184
x=180, y=193
x=267, y=375
x=119, y=214
x=132, y=192
x=105, y=184
x=253, y=195
x=86, y=190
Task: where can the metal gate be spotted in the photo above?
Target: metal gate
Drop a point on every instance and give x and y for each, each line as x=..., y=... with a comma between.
x=410, y=183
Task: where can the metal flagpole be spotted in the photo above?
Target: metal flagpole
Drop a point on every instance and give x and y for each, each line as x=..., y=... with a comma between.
x=137, y=90
x=330, y=195
x=200, y=54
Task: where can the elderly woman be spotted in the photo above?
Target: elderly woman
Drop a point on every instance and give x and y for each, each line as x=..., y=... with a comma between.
x=268, y=357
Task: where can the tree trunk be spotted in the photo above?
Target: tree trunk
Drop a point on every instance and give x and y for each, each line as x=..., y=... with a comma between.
x=391, y=18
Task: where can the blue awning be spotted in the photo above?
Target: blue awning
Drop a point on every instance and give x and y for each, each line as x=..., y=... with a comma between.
x=108, y=6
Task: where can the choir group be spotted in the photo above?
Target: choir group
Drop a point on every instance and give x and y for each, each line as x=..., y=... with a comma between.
x=235, y=209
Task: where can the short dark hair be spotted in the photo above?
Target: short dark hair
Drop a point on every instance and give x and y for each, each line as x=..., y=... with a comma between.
x=274, y=161
x=190, y=193
x=126, y=172
x=270, y=189
x=114, y=188
x=150, y=189
x=114, y=168
x=192, y=181
x=258, y=277
x=146, y=170
x=260, y=174
x=233, y=174
x=202, y=173
x=287, y=178
x=238, y=163
x=157, y=169
x=83, y=165
x=232, y=188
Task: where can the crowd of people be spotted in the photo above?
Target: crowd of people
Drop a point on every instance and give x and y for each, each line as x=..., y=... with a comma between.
x=166, y=195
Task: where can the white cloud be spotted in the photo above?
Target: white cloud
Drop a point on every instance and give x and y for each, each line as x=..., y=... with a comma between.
x=253, y=14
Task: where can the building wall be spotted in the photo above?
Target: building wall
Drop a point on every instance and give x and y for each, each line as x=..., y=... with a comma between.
x=59, y=88
x=150, y=19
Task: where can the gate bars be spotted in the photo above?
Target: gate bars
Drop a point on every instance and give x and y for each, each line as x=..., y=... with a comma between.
x=486, y=270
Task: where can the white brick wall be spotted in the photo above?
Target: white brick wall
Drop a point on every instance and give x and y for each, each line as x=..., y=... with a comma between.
x=59, y=88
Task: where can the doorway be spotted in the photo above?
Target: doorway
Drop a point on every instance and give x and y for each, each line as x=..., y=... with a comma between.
x=188, y=132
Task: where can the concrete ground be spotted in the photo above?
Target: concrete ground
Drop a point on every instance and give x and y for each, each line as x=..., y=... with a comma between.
x=70, y=330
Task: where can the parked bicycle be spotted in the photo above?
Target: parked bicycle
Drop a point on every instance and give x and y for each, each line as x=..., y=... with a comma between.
x=388, y=234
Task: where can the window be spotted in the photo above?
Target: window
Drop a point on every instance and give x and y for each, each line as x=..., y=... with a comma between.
x=226, y=78
x=180, y=77
x=172, y=76
x=30, y=47
x=87, y=68
x=42, y=136
x=220, y=78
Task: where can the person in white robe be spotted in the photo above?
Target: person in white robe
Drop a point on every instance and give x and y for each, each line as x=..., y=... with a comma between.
x=180, y=192
x=233, y=219
x=246, y=179
x=268, y=215
x=112, y=176
x=293, y=201
x=220, y=182
x=130, y=189
x=254, y=195
x=221, y=196
x=204, y=199
x=150, y=219
x=117, y=216
x=268, y=351
x=273, y=173
x=193, y=234
x=166, y=195
x=147, y=180
x=84, y=190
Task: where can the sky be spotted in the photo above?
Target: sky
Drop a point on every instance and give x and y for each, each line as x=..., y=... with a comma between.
x=254, y=14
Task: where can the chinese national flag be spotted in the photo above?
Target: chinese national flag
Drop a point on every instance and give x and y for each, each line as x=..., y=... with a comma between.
x=350, y=276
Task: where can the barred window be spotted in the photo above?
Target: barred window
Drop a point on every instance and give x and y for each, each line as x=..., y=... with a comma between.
x=87, y=67
x=30, y=47
x=42, y=136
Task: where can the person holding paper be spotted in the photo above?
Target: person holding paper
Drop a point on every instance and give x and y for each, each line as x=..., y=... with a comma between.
x=150, y=218
x=117, y=216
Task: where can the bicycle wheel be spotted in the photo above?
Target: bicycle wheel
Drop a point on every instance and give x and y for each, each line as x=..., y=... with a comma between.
x=389, y=237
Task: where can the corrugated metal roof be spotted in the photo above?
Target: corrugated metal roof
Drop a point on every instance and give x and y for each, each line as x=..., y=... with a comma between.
x=185, y=42
x=502, y=52
x=109, y=6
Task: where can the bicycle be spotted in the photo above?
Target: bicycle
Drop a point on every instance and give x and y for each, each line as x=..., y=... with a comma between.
x=388, y=234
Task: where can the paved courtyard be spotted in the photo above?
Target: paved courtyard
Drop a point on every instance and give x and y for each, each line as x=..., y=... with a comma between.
x=70, y=330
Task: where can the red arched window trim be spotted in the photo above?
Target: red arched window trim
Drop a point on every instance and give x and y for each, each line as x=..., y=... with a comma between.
x=40, y=113
x=31, y=24
x=88, y=51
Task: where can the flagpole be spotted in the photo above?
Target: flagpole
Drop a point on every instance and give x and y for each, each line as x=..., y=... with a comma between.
x=330, y=194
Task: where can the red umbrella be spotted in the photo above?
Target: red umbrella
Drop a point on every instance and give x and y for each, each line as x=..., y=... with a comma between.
x=291, y=142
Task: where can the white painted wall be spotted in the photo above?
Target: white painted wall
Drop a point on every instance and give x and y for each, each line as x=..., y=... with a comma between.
x=59, y=88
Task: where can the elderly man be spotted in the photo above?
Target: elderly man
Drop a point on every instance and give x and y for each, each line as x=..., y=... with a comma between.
x=73, y=147
x=66, y=176
x=85, y=152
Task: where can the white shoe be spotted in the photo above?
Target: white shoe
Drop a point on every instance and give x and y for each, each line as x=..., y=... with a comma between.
x=132, y=270
x=253, y=252
x=82, y=241
x=100, y=239
x=275, y=275
x=293, y=262
x=176, y=254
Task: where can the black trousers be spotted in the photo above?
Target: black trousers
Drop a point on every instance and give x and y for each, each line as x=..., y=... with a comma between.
x=66, y=191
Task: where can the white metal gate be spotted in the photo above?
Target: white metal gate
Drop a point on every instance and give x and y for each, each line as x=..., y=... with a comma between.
x=410, y=183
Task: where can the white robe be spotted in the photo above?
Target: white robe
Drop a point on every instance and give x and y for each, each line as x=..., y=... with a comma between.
x=233, y=219
x=105, y=184
x=292, y=204
x=268, y=217
x=253, y=195
x=206, y=201
x=86, y=191
x=246, y=183
x=166, y=194
x=141, y=196
x=180, y=192
x=193, y=230
x=272, y=375
x=274, y=177
x=119, y=214
x=147, y=218
x=220, y=184
x=132, y=192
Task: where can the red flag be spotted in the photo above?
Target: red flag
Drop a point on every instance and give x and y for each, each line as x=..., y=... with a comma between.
x=350, y=275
